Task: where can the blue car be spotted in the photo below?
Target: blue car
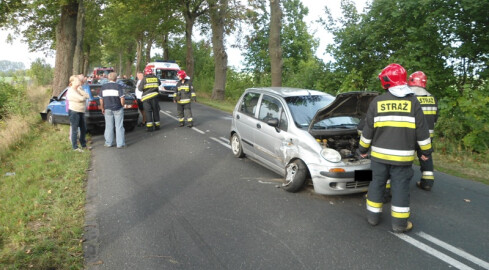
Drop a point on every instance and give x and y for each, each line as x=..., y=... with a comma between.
x=57, y=113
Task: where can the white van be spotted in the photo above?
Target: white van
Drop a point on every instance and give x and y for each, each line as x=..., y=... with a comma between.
x=167, y=73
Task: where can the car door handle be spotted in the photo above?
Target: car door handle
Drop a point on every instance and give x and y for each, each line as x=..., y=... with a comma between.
x=237, y=116
x=258, y=125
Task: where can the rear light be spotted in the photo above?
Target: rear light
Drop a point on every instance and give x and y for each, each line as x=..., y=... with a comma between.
x=92, y=106
x=133, y=105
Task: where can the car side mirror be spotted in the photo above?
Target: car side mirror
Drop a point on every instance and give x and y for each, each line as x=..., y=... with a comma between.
x=273, y=122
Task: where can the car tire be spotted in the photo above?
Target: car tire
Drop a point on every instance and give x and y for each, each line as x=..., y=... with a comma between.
x=131, y=126
x=236, y=146
x=50, y=118
x=295, y=176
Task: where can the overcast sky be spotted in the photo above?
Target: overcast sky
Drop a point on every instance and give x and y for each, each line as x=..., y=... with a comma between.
x=18, y=51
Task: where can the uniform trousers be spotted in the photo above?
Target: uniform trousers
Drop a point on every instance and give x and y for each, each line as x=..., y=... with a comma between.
x=400, y=177
x=152, y=110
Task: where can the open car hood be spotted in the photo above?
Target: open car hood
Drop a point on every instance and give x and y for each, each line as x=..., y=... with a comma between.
x=353, y=104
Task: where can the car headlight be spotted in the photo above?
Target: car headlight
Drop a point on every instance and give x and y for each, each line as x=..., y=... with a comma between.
x=331, y=155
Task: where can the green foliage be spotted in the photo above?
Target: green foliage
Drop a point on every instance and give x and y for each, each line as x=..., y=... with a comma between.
x=41, y=72
x=41, y=207
x=463, y=120
x=298, y=46
x=13, y=98
x=237, y=83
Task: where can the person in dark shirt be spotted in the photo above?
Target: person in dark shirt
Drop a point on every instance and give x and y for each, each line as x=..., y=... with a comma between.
x=112, y=104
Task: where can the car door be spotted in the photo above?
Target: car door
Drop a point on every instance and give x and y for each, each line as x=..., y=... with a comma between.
x=59, y=110
x=270, y=139
x=245, y=121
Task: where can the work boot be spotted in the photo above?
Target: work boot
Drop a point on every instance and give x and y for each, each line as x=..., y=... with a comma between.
x=190, y=125
x=181, y=124
x=408, y=228
x=157, y=127
x=149, y=129
x=423, y=186
x=373, y=218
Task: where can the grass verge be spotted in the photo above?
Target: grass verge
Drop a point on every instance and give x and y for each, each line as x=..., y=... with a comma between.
x=42, y=202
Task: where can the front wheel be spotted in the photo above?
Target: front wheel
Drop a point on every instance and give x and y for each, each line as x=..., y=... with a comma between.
x=50, y=118
x=295, y=176
x=236, y=146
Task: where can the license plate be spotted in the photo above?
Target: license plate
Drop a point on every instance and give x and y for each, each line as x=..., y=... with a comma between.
x=170, y=95
x=363, y=175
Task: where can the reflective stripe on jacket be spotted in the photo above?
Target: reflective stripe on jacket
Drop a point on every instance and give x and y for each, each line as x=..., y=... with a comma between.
x=393, y=127
x=185, y=92
x=149, y=86
x=429, y=105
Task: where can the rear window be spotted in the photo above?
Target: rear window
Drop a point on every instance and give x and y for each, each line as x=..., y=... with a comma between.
x=95, y=90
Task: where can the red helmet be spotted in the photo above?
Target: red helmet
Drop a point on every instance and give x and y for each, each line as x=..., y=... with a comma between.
x=418, y=78
x=393, y=75
x=148, y=71
x=181, y=74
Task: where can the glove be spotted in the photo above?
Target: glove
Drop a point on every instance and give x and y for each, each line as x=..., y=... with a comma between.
x=194, y=99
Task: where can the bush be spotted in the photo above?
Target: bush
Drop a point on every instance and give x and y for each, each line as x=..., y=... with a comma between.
x=463, y=119
x=41, y=72
x=13, y=98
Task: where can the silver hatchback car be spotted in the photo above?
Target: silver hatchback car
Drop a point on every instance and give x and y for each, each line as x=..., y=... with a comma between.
x=304, y=134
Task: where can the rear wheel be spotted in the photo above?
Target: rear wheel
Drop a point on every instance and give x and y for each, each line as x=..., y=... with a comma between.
x=130, y=126
x=295, y=176
x=50, y=118
x=236, y=146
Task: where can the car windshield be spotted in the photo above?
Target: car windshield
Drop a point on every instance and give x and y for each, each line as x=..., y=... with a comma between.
x=303, y=108
x=168, y=74
x=340, y=122
x=104, y=71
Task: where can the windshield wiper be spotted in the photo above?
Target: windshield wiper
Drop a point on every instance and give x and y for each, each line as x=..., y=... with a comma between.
x=342, y=126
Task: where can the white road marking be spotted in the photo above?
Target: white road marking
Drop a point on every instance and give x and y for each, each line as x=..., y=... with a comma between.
x=220, y=142
x=454, y=250
x=433, y=252
x=168, y=114
x=224, y=139
x=198, y=130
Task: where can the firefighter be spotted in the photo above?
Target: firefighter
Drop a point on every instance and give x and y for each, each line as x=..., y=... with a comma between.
x=417, y=82
x=183, y=96
x=394, y=125
x=149, y=86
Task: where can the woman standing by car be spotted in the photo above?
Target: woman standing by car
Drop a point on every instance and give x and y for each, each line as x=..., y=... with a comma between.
x=76, y=97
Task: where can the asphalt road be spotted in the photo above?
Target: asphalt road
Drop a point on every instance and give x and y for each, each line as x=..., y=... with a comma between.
x=178, y=199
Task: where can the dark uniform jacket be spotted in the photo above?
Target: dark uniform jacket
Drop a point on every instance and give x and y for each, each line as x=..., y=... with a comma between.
x=149, y=86
x=393, y=127
x=185, y=92
x=429, y=105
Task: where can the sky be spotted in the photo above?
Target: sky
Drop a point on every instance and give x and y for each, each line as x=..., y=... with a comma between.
x=19, y=52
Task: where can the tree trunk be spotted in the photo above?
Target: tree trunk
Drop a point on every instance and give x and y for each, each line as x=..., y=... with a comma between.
x=139, y=54
x=80, y=31
x=65, y=46
x=274, y=43
x=128, y=60
x=148, y=51
x=166, y=49
x=217, y=13
x=189, y=59
x=86, y=60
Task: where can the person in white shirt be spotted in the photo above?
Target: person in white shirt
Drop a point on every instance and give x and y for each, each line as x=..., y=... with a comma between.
x=139, y=94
